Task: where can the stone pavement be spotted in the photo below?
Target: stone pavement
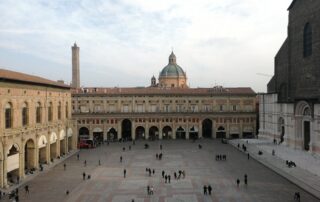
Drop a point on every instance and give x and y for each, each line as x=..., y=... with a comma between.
x=108, y=184
x=302, y=177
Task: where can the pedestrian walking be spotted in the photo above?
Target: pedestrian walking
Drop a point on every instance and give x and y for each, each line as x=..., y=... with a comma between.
x=169, y=178
x=175, y=175
x=120, y=159
x=151, y=190
x=99, y=162
x=26, y=188
x=153, y=171
x=165, y=178
x=209, y=189
x=248, y=156
x=245, y=179
x=148, y=190
x=163, y=174
x=157, y=155
x=67, y=192
x=64, y=166
x=78, y=156
x=85, y=163
x=205, y=190
x=149, y=172
x=84, y=175
x=123, y=148
x=238, y=182
x=124, y=173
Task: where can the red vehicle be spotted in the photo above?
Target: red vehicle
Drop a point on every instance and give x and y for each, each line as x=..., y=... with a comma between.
x=85, y=144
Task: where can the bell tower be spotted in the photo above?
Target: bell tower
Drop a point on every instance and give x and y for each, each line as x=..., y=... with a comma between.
x=75, y=66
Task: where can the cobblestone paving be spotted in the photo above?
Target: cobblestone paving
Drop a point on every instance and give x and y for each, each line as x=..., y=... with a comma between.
x=108, y=184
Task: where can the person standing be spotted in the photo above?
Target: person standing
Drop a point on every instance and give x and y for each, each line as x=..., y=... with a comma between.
x=163, y=174
x=64, y=166
x=148, y=190
x=26, y=188
x=99, y=162
x=169, y=178
x=238, y=182
x=120, y=159
x=124, y=173
x=78, y=156
x=205, y=190
x=209, y=189
x=165, y=177
x=84, y=175
x=248, y=156
x=153, y=171
x=85, y=163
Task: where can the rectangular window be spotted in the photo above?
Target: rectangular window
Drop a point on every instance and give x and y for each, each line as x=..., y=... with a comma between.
x=97, y=108
x=24, y=116
x=59, y=112
x=234, y=108
x=112, y=108
x=221, y=108
x=125, y=108
x=153, y=108
x=67, y=111
x=166, y=108
x=140, y=108
x=50, y=114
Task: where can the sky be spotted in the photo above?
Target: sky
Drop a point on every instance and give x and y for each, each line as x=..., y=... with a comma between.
x=123, y=43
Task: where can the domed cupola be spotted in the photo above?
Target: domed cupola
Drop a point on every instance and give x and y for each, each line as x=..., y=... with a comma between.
x=172, y=75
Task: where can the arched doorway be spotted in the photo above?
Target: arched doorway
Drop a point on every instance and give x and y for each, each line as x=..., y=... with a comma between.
x=53, y=146
x=98, y=135
x=63, y=145
x=303, y=113
x=84, y=133
x=153, y=133
x=140, y=133
x=281, y=129
x=112, y=135
x=221, y=133
x=180, y=133
x=29, y=155
x=193, y=132
x=207, y=128
x=126, y=129
x=42, y=145
x=13, y=163
x=167, y=132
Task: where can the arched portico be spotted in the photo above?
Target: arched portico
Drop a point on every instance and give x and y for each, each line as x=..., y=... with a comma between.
x=194, y=132
x=112, y=135
x=140, y=133
x=62, y=138
x=13, y=164
x=126, y=127
x=42, y=148
x=180, y=133
x=207, y=128
x=153, y=133
x=221, y=132
x=167, y=132
x=84, y=133
x=53, y=146
x=98, y=135
x=70, y=136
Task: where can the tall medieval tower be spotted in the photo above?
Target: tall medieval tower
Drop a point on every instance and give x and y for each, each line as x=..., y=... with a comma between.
x=75, y=67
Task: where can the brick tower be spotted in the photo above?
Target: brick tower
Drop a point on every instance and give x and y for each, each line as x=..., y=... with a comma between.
x=75, y=67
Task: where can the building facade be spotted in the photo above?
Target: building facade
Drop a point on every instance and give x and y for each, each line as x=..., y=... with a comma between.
x=290, y=111
x=35, y=124
x=165, y=110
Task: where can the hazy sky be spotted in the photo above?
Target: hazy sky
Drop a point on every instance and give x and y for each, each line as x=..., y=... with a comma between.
x=124, y=42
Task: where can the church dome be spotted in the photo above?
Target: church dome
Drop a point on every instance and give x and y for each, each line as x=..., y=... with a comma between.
x=172, y=69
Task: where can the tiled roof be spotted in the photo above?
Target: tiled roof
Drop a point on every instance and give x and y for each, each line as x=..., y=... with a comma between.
x=165, y=91
x=26, y=78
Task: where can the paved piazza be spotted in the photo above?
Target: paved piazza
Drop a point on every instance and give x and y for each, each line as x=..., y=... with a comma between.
x=107, y=182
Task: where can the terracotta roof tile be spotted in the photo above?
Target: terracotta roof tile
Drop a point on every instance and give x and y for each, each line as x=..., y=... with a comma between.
x=18, y=76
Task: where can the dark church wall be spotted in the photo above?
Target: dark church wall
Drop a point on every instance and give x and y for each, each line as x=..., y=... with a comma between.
x=304, y=72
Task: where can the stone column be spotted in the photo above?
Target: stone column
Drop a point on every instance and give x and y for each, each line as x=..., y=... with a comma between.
x=213, y=130
x=21, y=163
x=241, y=128
x=119, y=130
x=228, y=129
x=133, y=131
x=160, y=130
x=48, y=152
x=200, y=129
x=187, y=131
x=5, y=171
x=174, y=130
x=147, y=130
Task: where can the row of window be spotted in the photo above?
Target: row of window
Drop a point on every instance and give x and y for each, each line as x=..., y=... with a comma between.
x=166, y=108
x=25, y=120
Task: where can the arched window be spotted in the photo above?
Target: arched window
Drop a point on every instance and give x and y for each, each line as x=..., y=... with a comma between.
x=50, y=114
x=59, y=111
x=25, y=114
x=67, y=111
x=38, y=112
x=8, y=115
x=307, y=40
